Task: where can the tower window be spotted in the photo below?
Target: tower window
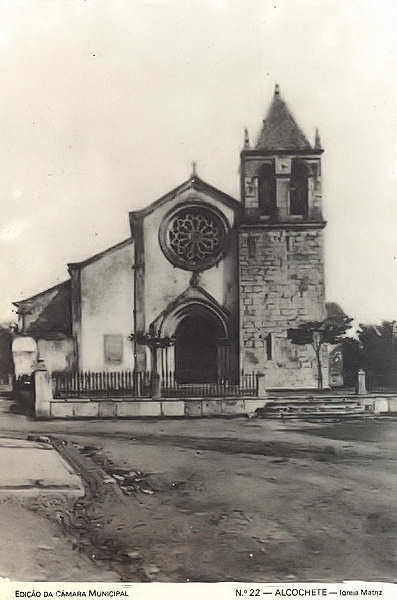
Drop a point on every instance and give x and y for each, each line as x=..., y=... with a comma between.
x=267, y=190
x=269, y=347
x=251, y=192
x=299, y=188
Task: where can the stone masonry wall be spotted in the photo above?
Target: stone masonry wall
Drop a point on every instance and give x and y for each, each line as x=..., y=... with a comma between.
x=281, y=285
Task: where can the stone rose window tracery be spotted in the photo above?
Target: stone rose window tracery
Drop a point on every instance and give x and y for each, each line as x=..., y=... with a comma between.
x=193, y=237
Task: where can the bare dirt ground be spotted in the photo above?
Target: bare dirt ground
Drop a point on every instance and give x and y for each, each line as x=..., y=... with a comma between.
x=220, y=500
x=35, y=548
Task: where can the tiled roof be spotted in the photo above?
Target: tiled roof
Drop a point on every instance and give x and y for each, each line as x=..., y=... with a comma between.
x=280, y=130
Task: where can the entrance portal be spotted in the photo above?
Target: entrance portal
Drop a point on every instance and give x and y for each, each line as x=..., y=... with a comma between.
x=196, y=349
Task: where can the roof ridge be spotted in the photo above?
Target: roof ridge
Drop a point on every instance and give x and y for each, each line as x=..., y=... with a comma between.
x=195, y=182
x=50, y=289
x=94, y=257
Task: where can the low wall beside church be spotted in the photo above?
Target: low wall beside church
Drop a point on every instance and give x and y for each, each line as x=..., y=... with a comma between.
x=118, y=408
x=130, y=407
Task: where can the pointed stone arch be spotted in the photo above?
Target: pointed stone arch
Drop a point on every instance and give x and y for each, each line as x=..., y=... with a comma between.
x=211, y=351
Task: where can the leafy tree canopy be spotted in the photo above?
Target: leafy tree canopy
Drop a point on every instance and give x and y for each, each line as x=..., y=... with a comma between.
x=330, y=330
x=378, y=348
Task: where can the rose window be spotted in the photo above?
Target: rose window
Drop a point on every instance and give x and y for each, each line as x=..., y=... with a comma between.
x=194, y=237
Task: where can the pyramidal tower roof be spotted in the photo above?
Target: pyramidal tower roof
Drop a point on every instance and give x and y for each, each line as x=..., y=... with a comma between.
x=280, y=130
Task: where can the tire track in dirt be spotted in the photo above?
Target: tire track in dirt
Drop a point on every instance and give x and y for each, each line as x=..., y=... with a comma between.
x=229, y=445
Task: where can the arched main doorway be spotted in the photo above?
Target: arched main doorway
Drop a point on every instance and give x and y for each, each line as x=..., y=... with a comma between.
x=196, y=348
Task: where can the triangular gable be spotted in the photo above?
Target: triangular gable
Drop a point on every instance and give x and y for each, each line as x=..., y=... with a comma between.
x=193, y=183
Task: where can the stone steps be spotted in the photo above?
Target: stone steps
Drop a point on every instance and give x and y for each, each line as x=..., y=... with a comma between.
x=313, y=409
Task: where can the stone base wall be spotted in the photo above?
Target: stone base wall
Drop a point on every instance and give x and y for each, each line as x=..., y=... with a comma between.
x=119, y=408
x=379, y=404
x=281, y=285
x=208, y=407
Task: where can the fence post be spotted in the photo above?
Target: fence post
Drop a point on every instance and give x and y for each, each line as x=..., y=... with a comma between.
x=361, y=387
x=42, y=390
x=260, y=385
x=139, y=387
x=156, y=386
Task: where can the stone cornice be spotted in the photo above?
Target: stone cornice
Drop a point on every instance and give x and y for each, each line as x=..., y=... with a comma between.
x=309, y=153
x=283, y=225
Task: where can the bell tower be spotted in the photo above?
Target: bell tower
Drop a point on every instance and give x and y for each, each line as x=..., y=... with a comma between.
x=281, y=267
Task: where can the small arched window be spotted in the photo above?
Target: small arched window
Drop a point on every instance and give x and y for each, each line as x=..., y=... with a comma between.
x=299, y=188
x=267, y=190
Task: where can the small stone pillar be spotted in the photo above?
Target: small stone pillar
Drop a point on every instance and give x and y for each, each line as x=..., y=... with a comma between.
x=361, y=387
x=261, y=380
x=42, y=390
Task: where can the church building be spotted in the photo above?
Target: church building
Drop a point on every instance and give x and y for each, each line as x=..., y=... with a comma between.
x=215, y=280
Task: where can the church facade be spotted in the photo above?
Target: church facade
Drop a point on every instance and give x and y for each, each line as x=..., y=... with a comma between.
x=216, y=281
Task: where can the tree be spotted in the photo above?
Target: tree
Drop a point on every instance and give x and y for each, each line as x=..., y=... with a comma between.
x=352, y=360
x=378, y=352
x=317, y=333
x=6, y=362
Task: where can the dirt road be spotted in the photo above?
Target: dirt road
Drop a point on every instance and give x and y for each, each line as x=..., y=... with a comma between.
x=236, y=500
x=217, y=515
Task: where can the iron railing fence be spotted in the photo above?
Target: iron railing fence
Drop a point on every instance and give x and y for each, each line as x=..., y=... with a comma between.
x=381, y=383
x=137, y=384
x=103, y=383
x=223, y=386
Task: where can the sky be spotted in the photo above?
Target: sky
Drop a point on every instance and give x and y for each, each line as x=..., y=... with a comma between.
x=104, y=104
